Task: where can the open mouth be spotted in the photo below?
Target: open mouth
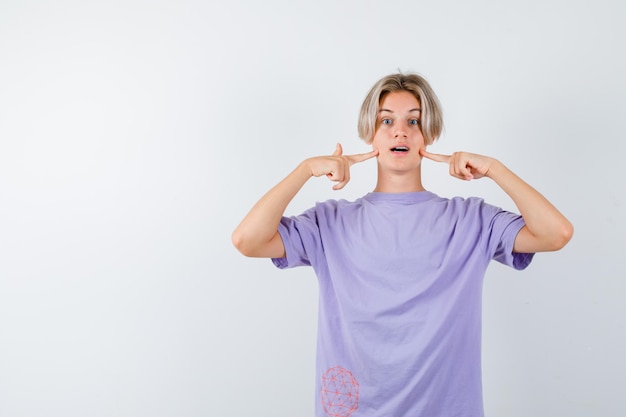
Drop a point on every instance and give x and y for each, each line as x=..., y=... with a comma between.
x=399, y=149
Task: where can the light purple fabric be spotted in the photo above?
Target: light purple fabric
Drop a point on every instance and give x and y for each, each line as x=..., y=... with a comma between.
x=400, y=284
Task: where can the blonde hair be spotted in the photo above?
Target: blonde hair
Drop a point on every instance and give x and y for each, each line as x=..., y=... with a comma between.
x=431, y=115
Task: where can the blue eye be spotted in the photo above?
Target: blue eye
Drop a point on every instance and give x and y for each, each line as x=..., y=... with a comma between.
x=386, y=121
x=414, y=122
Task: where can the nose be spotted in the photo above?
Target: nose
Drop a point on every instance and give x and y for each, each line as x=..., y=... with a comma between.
x=399, y=133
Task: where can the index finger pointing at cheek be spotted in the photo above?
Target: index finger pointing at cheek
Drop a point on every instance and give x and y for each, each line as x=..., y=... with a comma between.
x=435, y=156
x=362, y=156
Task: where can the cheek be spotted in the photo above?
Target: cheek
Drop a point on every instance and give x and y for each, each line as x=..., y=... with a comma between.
x=375, y=142
x=420, y=139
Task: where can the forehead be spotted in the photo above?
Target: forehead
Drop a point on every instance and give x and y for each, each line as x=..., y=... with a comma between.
x=397, y=101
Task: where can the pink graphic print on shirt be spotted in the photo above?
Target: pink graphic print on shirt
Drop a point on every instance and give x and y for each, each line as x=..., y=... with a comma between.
x=340, y=392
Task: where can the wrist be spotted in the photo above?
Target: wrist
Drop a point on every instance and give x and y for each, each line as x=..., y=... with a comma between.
x=495, y=170
x=304, y=169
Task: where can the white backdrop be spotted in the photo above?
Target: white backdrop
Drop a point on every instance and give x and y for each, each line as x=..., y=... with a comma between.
x=134, y=136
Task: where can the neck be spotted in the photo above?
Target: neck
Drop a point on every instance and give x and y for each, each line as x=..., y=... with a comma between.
x=399, y=182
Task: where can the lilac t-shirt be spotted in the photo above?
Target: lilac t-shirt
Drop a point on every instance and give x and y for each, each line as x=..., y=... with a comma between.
x=400, y=285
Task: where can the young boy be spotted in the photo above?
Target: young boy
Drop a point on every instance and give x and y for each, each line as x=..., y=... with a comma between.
x=400, y=270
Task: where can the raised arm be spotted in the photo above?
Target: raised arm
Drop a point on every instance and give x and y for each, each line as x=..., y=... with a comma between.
x=257, y=234
x=546, y=228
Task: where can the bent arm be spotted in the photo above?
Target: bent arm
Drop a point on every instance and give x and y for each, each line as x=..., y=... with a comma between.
x=257, y=234
x=546, y=228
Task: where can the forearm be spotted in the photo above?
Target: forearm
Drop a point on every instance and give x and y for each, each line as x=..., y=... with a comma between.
x=546, y=228
x=260, y=226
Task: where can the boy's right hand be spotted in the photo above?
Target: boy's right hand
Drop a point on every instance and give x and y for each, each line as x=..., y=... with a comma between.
x=337, y=166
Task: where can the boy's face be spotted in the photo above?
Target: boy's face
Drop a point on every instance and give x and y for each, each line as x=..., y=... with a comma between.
x=398, y=136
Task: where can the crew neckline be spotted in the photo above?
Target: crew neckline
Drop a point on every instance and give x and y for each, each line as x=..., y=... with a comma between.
x=408, y=197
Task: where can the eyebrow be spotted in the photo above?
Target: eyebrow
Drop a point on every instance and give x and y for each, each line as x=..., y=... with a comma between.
x=391, y=111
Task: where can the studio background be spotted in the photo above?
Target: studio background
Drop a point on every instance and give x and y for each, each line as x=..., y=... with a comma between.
x=135, y=135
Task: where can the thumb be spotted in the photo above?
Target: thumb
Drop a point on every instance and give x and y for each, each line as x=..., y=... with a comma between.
x=338, y=150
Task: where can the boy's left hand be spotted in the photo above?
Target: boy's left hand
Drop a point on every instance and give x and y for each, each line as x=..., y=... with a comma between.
x=463, y=165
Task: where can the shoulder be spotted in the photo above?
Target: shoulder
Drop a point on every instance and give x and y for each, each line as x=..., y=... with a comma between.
x=472, y=202
x=467, y=201
x=327, y=209
x=335, y=205
x=472, y=207
x=464, y=203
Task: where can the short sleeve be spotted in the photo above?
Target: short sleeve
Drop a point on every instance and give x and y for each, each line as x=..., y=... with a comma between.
x=300, y=236
x=504, y=230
